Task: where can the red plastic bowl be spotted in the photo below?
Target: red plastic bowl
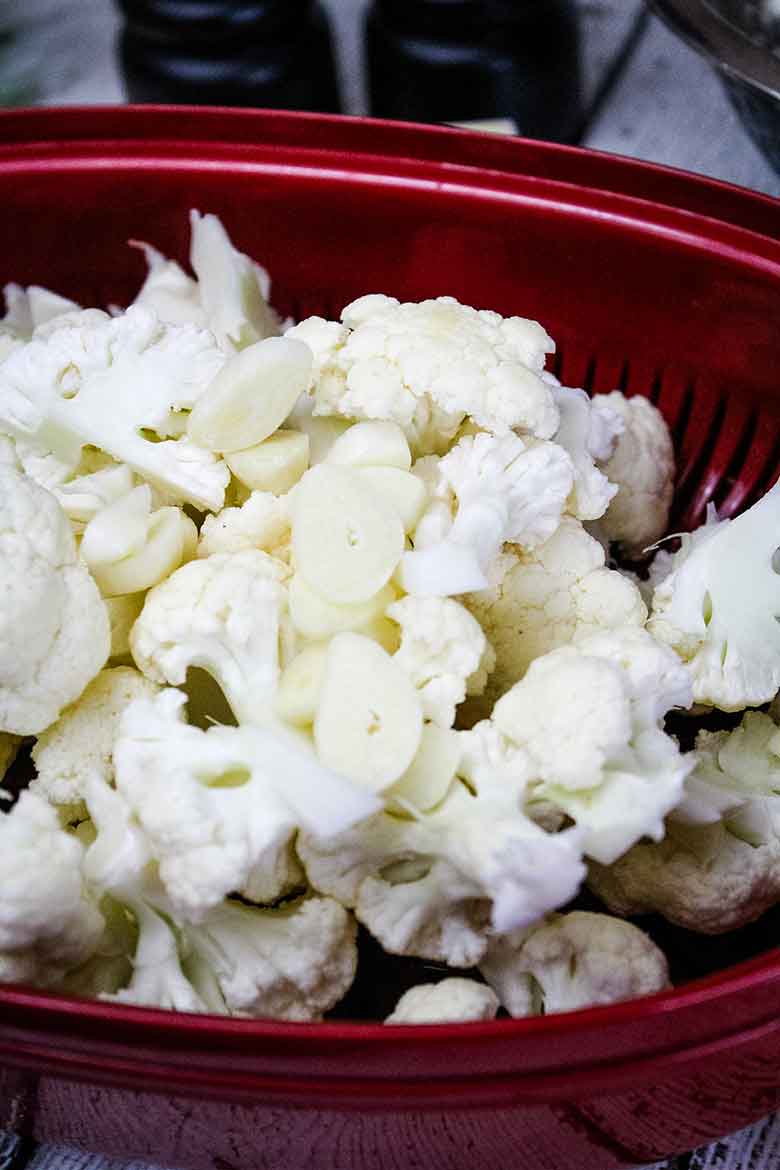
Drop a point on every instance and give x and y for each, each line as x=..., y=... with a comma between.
x=659, y=282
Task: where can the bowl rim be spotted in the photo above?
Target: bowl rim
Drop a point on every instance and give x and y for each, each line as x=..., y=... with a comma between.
x=66, y=133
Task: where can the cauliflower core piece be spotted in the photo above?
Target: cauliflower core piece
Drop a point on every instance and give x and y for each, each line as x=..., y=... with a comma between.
x=54, y=628
x=426, y=366
x=448, y=1002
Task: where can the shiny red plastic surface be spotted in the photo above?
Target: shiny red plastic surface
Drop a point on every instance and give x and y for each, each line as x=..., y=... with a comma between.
x=661, y=283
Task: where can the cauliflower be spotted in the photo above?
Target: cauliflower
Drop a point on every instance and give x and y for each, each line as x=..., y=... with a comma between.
x=436, y=885
x=444, y=652
x=80, y=745
x=506, y=490
x=120, y=384
x=589, y=718
x=642, y=467
x=232, y=289
x=560, y=593
x=427, y=366
x=448, y=1002
x=29, y=308
x=167, y=289
x=290, y=962
x=48, y=921
x=573, y=961
x=219, y=808
x=225, y=614
x=719, y=605
x=718, y=867
x=587, y=432
x=263, y=522
x=54, y=630
x=230, y=296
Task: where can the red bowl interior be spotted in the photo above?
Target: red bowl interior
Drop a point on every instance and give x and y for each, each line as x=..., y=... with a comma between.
x=658, y=282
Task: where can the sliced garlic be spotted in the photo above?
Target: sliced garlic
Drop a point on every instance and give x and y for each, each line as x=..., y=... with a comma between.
x=372, y=444
x=122, y=614
x=275, y=465
x=118, y=530
x=298, y=693
x=427, y=779
x=369, y=719
x=314, y=617
x=346, y=539
x=251, y=395
x=406, y=492
x=170, y=534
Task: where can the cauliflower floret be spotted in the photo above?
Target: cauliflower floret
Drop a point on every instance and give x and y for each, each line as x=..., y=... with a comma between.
x=219, y=809
x=81, y=743
x=119, y=383
x=226, y=614
x=427, y=366
x=48, y=921
x=718, y=607
x=444, y=652
x=54, y=630
x=573, y=961
x=291, y=962
x=506, y=490
x=448, y=1002
x=262, y=522
x=642, y=466
x=559, y=593
x=587, y=432
x=589, y=718
x=438, y=884
x=719, y=866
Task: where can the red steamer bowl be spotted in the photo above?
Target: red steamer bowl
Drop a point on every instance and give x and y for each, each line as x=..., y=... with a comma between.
x=658, y=282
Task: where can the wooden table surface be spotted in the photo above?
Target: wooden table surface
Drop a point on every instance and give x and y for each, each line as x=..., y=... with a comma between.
x=664, y=104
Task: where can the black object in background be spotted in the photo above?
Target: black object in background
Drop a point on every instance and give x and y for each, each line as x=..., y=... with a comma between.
x=273, y=53
x=459, y=60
